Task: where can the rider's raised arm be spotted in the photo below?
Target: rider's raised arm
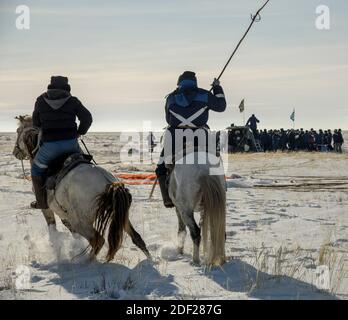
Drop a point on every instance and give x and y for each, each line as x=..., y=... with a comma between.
x=84, y=117
x=36, y=116
x=216, y=100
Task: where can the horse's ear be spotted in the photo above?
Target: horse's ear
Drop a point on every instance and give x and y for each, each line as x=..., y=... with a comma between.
x=20, y=118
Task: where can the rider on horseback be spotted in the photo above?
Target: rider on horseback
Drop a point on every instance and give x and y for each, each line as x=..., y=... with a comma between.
x=55, y=116
x=188, y=108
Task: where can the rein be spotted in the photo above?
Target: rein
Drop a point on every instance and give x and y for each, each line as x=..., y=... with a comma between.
x=24, y=176
x=88, y=151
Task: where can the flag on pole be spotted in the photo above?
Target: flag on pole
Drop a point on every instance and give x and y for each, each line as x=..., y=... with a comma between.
x=292, y=116
x=241, y=106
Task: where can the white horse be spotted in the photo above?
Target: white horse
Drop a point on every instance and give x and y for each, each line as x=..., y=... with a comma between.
x=88, y=199
x=195, y=185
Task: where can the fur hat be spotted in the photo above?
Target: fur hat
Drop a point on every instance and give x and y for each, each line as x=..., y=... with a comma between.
x=59, y=82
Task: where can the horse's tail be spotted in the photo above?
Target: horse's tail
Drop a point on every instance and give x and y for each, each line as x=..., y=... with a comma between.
x=113, y=210
x=214, y=219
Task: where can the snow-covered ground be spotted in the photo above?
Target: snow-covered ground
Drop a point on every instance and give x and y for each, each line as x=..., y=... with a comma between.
x=287, y=221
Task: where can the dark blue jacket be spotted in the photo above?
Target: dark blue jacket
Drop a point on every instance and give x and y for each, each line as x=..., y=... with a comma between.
x=189, y=99
x=252, y=122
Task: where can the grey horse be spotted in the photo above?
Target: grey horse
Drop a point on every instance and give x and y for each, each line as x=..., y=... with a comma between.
x=197, y=183
x=89, y=200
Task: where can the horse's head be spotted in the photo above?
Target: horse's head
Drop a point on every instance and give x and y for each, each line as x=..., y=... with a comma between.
x=26, y=138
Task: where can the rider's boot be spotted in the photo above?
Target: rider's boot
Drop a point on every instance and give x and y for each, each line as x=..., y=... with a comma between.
x=162, y=179
x=40, y=193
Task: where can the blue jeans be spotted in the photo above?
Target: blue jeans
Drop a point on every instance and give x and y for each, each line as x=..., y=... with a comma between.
x=51, y=150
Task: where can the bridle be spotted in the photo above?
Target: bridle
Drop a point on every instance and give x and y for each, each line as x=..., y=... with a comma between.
x=22, y=154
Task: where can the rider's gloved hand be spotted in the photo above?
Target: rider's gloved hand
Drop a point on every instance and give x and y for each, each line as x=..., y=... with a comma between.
x=215, y=83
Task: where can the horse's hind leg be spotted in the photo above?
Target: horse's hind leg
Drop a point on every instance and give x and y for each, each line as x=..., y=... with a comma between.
x=50, y=219
x=137, y=239
x=195, y=232
x=181, y=233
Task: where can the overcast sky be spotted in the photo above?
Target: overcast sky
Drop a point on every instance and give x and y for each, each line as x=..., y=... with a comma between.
x=123, y=57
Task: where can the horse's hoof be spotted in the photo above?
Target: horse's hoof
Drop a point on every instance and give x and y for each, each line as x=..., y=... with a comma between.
x=180, y=250
x=219, y=262
x=196, y=263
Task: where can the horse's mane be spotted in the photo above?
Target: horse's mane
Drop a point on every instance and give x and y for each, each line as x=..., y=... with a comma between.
x=25, y=121
x=30, y=138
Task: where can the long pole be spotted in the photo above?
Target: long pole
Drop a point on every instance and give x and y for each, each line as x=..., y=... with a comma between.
x=153, y=188
x=254, y=18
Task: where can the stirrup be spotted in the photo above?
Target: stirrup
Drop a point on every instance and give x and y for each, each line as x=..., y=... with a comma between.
x=168, y=203
x=34, y=205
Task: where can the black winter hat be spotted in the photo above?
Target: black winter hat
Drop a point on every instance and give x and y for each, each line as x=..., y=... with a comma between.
x=187, y=75
x=59, y=82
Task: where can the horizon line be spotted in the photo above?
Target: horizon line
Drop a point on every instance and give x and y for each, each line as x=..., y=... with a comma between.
x=139, y=131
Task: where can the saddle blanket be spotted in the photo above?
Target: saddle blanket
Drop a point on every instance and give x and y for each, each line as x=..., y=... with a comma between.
x=71, y=162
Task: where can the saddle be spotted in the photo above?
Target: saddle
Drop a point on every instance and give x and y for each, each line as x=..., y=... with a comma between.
x=61, y=166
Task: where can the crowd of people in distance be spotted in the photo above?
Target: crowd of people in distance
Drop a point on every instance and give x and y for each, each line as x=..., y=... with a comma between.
x=300, y=140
